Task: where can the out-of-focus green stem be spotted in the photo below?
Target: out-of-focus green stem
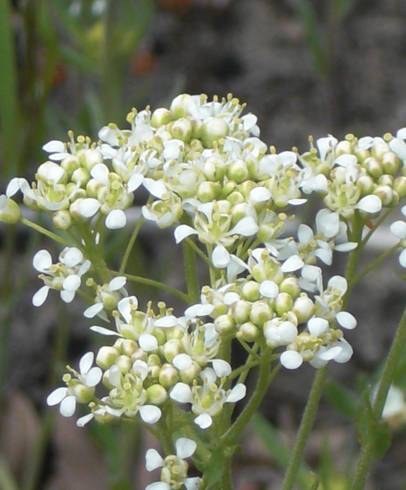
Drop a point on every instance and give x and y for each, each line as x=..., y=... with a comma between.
x=366, y=455
x=156, y=284
x=130, y=245
x=191, y=276
x=44, y=231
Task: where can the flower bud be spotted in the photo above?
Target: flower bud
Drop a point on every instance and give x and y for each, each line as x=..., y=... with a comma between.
x=93, y=188
x=250, y=291
x=399, y=185
x=220, y=309
x=181, y=105
x=189, y=374
x=182, y=129
x=123, y=363
x=160, y=117
x=214, y=169
x=241, y=311
x=379, y=149
x=171, y=349
x=70, y=164
x=128, y=347
x=174, y=333
x=106, y=357
x=238, y=171
x=386, y=179
x=83, y=394
x=62, y=220
x=290, y=285
x=168, y=375
x=343, y=147
x=373, y=167
x=9, y=211
x=235, y=198
x=365, y=184
x=260, y=313
x=283, y=303
x=157, y=394
x=303, y=308
x=385, y=194
x=208, y=191
x=390, y=163
x=248, y=332
x=213, y=129
x=224, y=323
x=80, y=176
x=89, y=158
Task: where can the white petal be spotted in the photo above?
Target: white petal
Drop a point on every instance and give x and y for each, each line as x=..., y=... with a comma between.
x=100, y=172
x=325, y=255
x=346, y=247
x=331, y=353
x=141, y=368
x=155, y=187
x=150, y=414
x=148, y=342
x=185, y=448
x=158, y=485
x=231, y=298
x=71, y=283
x=398, y=228
x=249, y=121
x=56, y=396
x=199, y=310
x=182, y=361
x=325, y=145
x=401, y=134
x=116, y=219
x=86, y=362
x=135, y=181
x=108, y=135
x=221, y=368
x=305, y=234
x=67, y=296
x=346, y=160
x=168, y=321
x=237, y=393
x=192, y=483
x=346, y=320
x=365, y=143
x=42, y=260
x=204, y=420
x=339, y=283
x=88, y=207
x=153, y=460
x=117, y=283
x=220, y=257
x=71, y=256
x=93, y=310
x=291, y=359
x=327, y=223
x=94, y=376
x=260, y=194
x=181, y=393
x=103, y=331
x=399, y=147
x=54, y=146
x=317, y=326
x=297, y=202
x=370, y=204
x=82, y=421
x=402, y=258
x=293, y=263
x=13, y=187
x=246, y=227
x=183, y=231
x=40, y=296
x=126, y=306
x=269, y=289
x=68, y=406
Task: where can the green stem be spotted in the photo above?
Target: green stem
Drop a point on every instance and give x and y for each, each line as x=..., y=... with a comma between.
x=130, y=245
x=306, y=425
x=156, y=284
x=44, y=231
x=376, y=226
x=366, y=455
x=265, y=376
x=192, y=280
x=198, y=250
x=373, y=265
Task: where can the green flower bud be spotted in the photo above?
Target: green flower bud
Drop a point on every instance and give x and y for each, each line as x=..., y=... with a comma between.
x=181, y=105
x=157, y=394
x=250, y=291
x=238, y=171
x=208, y=191
x=248, y=332
x=168, y=375
x=224, y=323
x=214, y=169
x=188, y=375
x=220, y=309
x=365, y=184
x=390, y=163
x=373, y=167
x=109, y=299
x=123, y=363
x=154, y=372
x=290, y=285
x=89, y=158
x=154, y=360
x=399, y=185
x=106, y=381
x=128, y=347
x=62, y=220
x=261, y=312
x=303, y=308
x=174, y=333
x=93, y=187
x=171, y=349
x=228, y=187
x=106, y=357
x=10, y=212
x=241, y=311
x=386, y=180
x=182, y=129
x=379, y=149
x=235, y=198
x=70, y=164
x=213, y=129
x=283, y=303
x=343, y=147
x=385, y=194
x=160, y=117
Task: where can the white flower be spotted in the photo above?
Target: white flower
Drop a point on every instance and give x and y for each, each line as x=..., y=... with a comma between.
x=107, y=297
x=64, y=276
x=67, y=397
x=398, y=228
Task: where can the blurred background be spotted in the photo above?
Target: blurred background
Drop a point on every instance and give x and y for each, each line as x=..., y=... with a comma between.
x=304, y=67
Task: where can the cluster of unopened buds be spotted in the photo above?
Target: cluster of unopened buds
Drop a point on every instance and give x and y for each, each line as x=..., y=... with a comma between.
x=207, y=174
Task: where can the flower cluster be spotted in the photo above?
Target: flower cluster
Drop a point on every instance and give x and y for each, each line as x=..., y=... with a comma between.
x=203, y=169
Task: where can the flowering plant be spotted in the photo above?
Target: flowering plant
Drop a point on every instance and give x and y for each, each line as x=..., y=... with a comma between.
x=231, y=201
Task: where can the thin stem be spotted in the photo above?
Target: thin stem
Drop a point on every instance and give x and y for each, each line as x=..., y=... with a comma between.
x=375, y=227
x=192, y=280
x=265, y=376
x=44, y=231
x=366, y=455
x=156, y=284
x=130, y=245
x=306, y=425
x=198, y=250
x=373, y=264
